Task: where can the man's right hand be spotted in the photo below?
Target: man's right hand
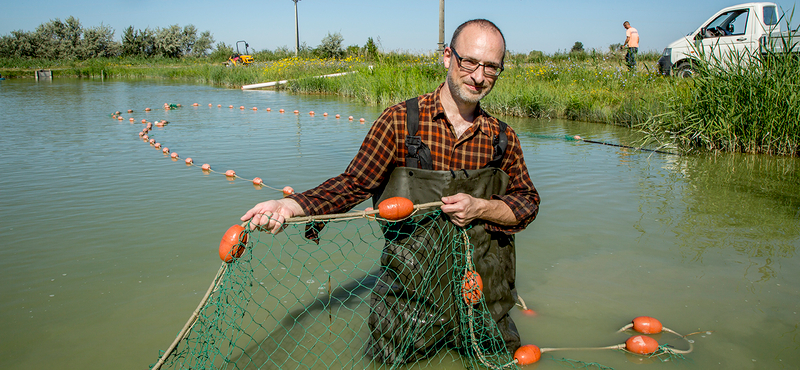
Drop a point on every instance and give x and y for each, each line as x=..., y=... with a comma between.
x=271, y=215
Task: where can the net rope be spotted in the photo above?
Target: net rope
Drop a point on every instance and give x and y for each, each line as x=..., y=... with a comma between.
x=307, y=298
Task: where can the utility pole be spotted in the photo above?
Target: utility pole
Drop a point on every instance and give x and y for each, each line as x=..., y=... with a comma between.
x=441, y=27
x=297, y=31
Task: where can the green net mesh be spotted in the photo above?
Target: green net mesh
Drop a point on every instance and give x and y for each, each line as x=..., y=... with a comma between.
x=323, y=297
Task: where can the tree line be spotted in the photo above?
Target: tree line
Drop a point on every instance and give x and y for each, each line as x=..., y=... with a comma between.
x=69, y=40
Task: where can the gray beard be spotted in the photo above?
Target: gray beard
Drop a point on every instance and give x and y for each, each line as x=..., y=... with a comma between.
x=460, y=92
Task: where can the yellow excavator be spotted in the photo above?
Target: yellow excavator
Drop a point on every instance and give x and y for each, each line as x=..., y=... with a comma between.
x=240, y=59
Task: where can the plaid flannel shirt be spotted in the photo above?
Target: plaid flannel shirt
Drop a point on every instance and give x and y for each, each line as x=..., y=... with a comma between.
x=384, y=149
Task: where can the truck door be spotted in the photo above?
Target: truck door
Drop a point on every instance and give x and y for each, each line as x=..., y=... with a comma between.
x=726, y=33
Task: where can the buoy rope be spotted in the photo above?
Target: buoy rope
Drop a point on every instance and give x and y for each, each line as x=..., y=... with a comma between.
x=369, y=214
x=579, y=138
x=170, y=106
x=193, y=318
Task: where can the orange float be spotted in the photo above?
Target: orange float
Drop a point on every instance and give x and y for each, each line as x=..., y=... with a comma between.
x=311, y=113
x=281, y=110
x=258, y=181
x=157, y=145
x=241, y=107
x=130, y=110
x=296, y=111
x=206, y=167
x=647, y=325
x=120, y=118
x=472, y=287
x=527, y=354
x=325, y=114
x=230, y=106
x=269, y=109
x=287, y=191
x=338, y=116
x=144, y=120
x=195, y=105
x=219, y=105
x=395, y=208
x=152, y=141
x=361, y=120
x=350, y=118
x=209, y=105
x=254, y=108
x=230, y=173
x=188, y=160
x=165, y=150
x=233, y=243
x=147, y=109
x=641, y=344
x=174, y=155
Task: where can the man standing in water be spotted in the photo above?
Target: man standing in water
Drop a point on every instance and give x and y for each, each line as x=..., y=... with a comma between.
x=438, y=146
x=632, y=43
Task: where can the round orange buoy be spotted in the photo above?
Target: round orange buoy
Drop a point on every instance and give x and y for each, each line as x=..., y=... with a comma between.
x=174, y=155
x=338, y=116
x=325, y=114
x=233, y=243
x=165, y=150
x=287, y=191
x=188, y=160
x=241, y=107
x=395, y=208
x=281, y=110
x=209, y=105
x=130, y=110
x=258, y=181
x=141, y=133
x=527, y=354
x=472, y=287
x=120, y=118
x=230, y=173
x=641, y=344
x=206, y=167
x=157, y=145
x=296, y=111
x=147, y=109
x=230, y=106
x=254, y=108
x=361, y=120
x=350, y=118
x=195, y=105
x=219, y=105
x=311, y=113
x=647, y=325
x=269, y=109
x=117, y=113
x=144, y=120
x=152, y=141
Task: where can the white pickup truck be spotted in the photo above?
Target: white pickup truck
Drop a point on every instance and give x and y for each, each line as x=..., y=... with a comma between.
x=747, y=28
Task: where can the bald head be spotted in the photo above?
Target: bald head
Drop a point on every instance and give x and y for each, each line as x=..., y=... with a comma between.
x=483, y=25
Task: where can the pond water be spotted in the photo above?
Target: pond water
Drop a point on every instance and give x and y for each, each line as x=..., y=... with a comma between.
x=108, y=245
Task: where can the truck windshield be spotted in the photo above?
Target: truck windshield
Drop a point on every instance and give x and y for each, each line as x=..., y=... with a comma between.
x=727, y=24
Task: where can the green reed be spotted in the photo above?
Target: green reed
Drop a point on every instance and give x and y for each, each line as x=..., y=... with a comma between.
x=742, y=102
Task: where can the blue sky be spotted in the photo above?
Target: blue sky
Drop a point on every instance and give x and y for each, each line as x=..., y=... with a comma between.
x=409, y=25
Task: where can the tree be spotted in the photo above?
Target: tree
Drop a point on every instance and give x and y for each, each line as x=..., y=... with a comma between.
x=169, y=41
x=98, y=42
x=577, y=47
x=331, y=46
x=370, y=49
x=204, y=43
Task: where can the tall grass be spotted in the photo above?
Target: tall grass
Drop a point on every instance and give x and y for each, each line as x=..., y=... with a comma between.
x=743, y=102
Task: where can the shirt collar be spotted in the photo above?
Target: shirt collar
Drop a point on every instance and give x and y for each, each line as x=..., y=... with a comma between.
x=480, y=114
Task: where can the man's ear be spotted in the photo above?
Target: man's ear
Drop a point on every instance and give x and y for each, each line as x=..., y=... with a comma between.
x=447, y=57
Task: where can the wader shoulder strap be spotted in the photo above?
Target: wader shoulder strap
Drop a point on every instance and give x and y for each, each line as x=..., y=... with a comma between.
x=419, y=155
x=500, y=142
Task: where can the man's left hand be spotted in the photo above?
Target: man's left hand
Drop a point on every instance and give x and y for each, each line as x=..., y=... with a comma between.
x=462, y=208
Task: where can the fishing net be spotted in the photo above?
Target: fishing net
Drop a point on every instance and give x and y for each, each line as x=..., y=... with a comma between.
x=320, y=295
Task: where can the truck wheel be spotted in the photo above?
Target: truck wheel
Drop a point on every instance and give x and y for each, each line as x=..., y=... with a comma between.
x=685, y=70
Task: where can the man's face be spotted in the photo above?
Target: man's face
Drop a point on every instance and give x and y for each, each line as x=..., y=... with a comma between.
x=480, y=45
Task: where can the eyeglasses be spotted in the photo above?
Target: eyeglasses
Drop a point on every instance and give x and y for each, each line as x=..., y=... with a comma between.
x=470, y=65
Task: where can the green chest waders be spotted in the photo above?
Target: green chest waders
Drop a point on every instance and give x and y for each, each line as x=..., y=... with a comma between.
x=414, y=305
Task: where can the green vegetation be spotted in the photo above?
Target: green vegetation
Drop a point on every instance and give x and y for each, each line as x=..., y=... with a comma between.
x=743, y=103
